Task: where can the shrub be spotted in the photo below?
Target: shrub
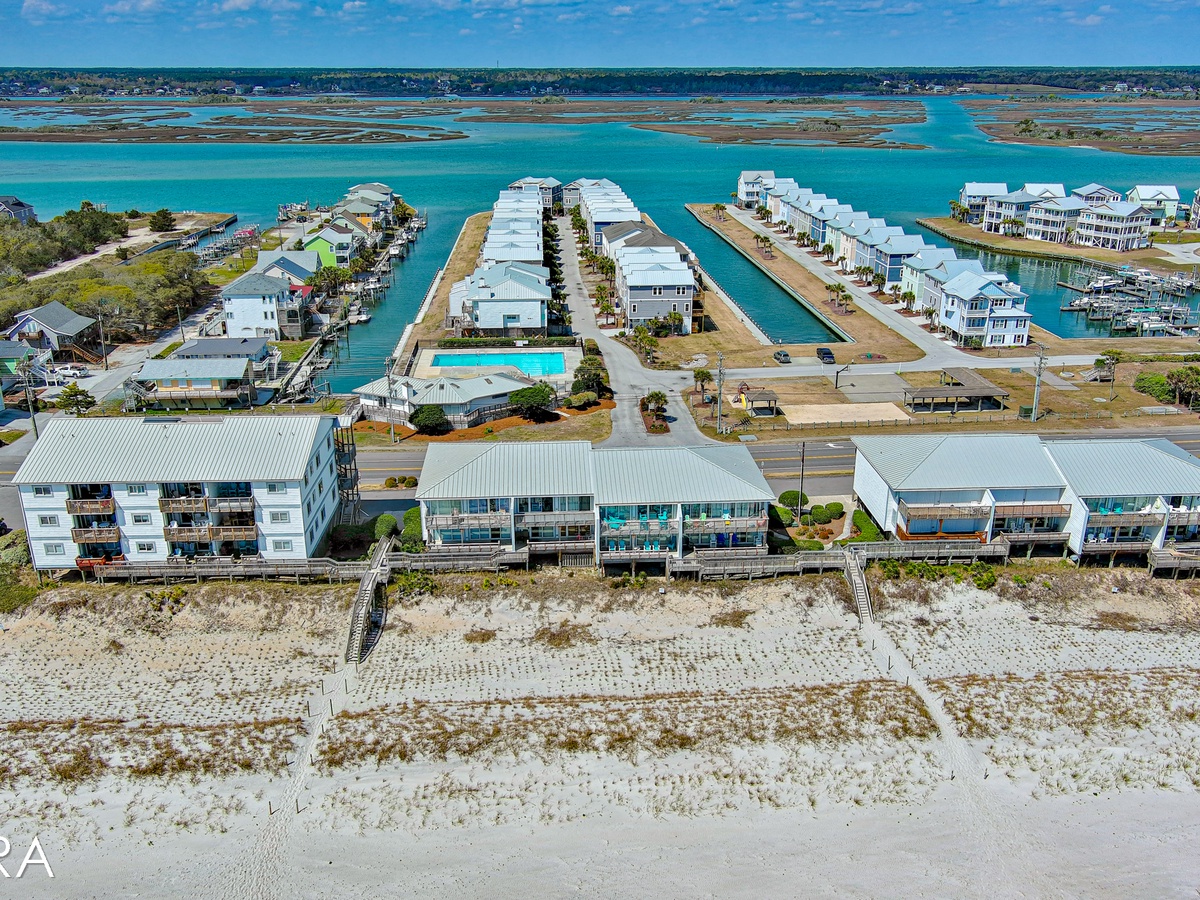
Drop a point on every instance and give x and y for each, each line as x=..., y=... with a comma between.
x=581, y=400
x=809, y=545
x=411, y=482
x=868, y=531
x=591, y=348
x=780, y=515
x=806, y=520
x=793, y=499
x=1154, y=385
x=410, y=537
x=821, y=516
x=385, y=526
x=532, y=402
x=430, y=420
x=835, y=510
x=390, y=481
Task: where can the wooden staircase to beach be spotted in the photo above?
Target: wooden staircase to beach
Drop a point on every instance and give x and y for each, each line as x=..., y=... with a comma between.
x=857, y=580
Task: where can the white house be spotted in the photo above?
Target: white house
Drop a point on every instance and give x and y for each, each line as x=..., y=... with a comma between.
x=548, y=190
x=1113, y=226
x=915, y=270
x=1006, y=213
x=1053, y=220
x=1044, y=191
x=256, y=306
x=975, y=195
x=984, y=310
x=148, y=490
x=1094, y=193
x=465, y=401
x=504, y=298
x=1161, y=201
x=752, y=187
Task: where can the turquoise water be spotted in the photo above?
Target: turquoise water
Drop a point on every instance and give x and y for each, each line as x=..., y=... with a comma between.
x=532, y=362
x=660, y=172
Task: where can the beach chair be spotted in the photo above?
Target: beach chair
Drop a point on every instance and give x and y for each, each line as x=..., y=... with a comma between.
x=612, y=545
x=622, y=544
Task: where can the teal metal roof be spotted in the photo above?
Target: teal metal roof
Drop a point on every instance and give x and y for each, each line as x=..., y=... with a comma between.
x=474, y=470
x=221, y=368
x=960, y=461
x=1126, y=468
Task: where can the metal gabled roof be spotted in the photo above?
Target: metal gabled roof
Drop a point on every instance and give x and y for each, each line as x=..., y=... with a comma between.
x=960, y=461
x=1126, y=468
x=678, y=475
x=117, y=449
x=222, y=368
x=474, y=470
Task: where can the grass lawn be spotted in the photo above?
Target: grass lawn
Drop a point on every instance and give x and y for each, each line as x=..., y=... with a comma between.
x=461, y=263
x=291, y=351
x=1150, y=258
x=10, y=435
x=594, y=424
x=232, y=268
x=168, y=350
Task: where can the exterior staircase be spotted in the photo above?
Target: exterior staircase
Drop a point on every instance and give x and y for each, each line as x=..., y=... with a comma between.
x=858, y=585
x=78, y=352
x=364, y=624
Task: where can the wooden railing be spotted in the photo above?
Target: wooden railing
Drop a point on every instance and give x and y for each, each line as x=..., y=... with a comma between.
x=945, y=510
x=182, y=504
x=97, y=534
x=99, y=506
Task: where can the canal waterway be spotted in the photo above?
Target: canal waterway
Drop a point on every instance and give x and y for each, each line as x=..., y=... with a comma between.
x=660, y=172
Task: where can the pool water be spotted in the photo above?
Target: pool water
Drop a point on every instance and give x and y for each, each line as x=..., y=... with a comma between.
x=533, y=363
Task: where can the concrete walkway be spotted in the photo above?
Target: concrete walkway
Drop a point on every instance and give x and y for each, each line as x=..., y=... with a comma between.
x=629, y=379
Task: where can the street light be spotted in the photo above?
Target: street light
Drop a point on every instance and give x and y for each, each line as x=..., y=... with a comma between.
x=838, y=374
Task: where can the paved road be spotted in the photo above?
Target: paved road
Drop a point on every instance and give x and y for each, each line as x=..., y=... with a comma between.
x=629, y=380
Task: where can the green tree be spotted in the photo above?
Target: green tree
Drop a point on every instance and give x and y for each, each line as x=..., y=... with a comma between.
x=675, y=321
x=656, y=402
x=532, y=402
x=385, y=526
x=701, y=377
x=74, y=399
x=161, y=220
x=589, y=375
x=430, y=420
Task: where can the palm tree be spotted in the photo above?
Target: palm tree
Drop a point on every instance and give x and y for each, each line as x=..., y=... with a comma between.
x=909, y=298
x=657, y=403
x=701, y=377
x=827, y=251
x=767, y=244
x=719, y=211
x=601, y=294
x=675, y=320
x=607, y=310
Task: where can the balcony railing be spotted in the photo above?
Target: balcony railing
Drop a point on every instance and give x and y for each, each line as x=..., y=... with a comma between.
x=1034, y=537
x=231, y=504
x=722, y=524
x=99, y=534
x=945, y=510
x=183, y=504
x=1032, y=510
x=233, y=533
x=469, y=520
x=1117, y=546
x=563, y=517
x=638, y=526
x=1117, y=520
x=1183, y=517
x=91, y=507
x=187, y=534
x=90, y=562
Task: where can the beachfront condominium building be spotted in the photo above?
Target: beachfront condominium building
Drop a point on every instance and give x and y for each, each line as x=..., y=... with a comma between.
x=1092, y=497
x=752, y=187
x=602, y=206
x=262, y=306
x=465, y=401
x=504, y=299
x=915, y=270
x=776, y=194
x=845, y=240
x=548, y=190
x=1113, y=226
x=975, y=195
x=866, y=243
x=149, y=490
x=1161, y=201
x=1054, y=220
x=1006, y=213
x=984, y=310
x=1094, y=193
x=617, y=505
x=571, y=190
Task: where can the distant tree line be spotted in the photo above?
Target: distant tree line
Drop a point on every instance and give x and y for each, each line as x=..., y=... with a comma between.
x=499, y=82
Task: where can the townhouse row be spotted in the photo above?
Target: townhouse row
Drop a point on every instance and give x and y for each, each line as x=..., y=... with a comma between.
x=1090, y=496
x=1090, y=216
x=972, y=306
x=106, y=490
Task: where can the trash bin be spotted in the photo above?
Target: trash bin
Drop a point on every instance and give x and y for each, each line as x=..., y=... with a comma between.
x=1025, y=412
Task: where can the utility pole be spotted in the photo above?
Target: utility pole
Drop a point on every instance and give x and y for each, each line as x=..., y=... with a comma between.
x=103, y=346
x=26, y=369
x=391, y=419
x=179, y=313
x=720, y=388
x=800, y=500
x=1037, y=387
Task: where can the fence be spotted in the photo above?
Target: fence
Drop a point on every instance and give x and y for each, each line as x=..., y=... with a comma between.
x=960, y=419
x=231, y=569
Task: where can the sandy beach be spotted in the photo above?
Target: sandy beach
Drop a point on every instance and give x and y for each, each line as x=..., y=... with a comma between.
x=554, y=735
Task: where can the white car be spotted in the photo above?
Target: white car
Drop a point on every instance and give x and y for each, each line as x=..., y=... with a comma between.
x=72, y=371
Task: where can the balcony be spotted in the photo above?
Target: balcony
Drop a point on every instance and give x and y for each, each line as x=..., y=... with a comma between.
x=1032, y=510
x=637, y=526
x=565, y=517
x=233, y=532
x=552, y=545
x=231, y=504
x=1117, y=546
x=469, y=520
x=724, y=525
x=95, y=507
x=187, y=534
x=90, y=562
x=1124, y=519
x=945, y=511
x=1033, y=537
x=1183, y=517
x=97, y=534
x=183, y=504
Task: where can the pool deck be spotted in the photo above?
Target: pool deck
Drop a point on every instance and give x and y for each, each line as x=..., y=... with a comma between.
x=425, y=368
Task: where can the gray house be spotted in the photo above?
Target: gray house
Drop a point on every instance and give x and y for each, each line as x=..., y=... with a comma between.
x=14, y=208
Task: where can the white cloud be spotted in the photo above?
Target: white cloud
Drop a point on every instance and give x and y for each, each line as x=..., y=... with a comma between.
x=38, y=11
x=127, y=8
x=621, y=11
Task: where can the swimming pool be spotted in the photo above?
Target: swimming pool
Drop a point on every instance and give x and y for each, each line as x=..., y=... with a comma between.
x=531, y=362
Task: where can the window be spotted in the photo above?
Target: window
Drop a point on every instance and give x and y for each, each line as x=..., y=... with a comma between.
x=656, y=291
x=54, y=549
x=308, y=505
x=632, y=308
x=43, y=490
x=145, y=546
x=141, y=518
x=48, y=521
x=275, y=487
x=280, y=518
x=136, y=490
x=281, y=546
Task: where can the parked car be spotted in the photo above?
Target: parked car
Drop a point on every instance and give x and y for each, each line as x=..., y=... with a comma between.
x=825, y=355
x=782, y=357
x=72, y=371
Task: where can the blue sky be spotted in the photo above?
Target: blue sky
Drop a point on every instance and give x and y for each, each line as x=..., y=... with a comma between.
x=402, y=33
